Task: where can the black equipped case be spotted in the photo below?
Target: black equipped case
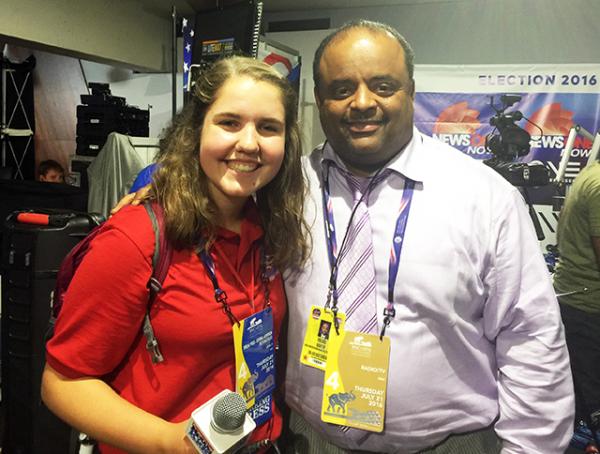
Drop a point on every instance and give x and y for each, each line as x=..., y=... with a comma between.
x=31, y=257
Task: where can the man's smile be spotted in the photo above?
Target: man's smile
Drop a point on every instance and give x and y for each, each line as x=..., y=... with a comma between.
x=363, y=126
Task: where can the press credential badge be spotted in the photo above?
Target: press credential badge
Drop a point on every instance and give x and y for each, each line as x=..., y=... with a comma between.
x=319, y=327
x=354, y=392
x=255, y=363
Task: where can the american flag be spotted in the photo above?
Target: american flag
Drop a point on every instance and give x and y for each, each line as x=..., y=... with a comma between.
x=286, y=64
x=187, y=31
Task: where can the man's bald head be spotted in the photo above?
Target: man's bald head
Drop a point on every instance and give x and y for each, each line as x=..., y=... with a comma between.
x=375, y=27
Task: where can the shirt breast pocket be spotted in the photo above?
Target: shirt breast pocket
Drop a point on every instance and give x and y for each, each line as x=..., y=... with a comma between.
x=440, y=286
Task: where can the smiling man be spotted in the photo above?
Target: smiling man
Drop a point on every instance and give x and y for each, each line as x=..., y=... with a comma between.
x=365, y=103
x=434, y=252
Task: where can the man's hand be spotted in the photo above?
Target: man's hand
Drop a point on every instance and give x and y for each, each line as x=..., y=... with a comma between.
x=132, y=199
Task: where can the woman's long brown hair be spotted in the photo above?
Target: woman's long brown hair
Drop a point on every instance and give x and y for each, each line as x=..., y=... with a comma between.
x=181, y=186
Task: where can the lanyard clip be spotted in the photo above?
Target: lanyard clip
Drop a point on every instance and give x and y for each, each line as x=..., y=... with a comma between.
x=389, y=313
x=329, y=295
x=220, y=296
x=336, y=320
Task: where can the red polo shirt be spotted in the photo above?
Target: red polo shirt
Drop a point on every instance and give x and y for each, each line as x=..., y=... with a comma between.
x=98, y=332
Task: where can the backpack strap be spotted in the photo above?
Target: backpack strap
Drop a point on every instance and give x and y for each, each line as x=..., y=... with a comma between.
x=161, y=260
x=67, y=269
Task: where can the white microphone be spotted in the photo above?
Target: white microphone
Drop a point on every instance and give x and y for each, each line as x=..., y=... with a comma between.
x=220, y=425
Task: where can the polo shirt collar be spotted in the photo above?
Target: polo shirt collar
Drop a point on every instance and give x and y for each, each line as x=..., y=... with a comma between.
x=250, y=231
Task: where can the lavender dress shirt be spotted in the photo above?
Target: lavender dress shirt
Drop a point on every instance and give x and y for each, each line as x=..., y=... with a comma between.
x=477, y=336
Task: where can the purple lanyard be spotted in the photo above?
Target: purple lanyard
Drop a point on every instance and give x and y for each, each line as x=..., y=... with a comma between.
x=396, y=250
x=220, y=295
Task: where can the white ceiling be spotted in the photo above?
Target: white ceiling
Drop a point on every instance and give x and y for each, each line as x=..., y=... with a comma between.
x=296, y=5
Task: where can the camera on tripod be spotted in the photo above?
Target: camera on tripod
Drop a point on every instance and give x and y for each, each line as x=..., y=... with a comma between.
x=509, y=142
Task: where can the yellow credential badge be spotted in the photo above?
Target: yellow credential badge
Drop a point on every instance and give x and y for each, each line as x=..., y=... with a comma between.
x=318, y=331
x=355, y=385
x=244, y=385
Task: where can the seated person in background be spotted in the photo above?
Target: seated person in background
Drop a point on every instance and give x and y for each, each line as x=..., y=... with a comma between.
x=51, y=171
x=230, y=184
x=578, y=268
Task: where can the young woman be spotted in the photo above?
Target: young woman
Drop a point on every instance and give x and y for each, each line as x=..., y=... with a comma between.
x=231, y=188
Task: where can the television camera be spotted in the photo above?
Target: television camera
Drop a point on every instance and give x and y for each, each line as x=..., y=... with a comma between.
x=508, y=142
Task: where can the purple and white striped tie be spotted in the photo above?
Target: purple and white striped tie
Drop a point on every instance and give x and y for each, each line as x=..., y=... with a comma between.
x=356, y=270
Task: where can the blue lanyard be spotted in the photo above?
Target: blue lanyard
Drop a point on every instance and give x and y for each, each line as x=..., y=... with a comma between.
x=396, y=250
x=329, y=222
x=389, y=312
x=334, y=257
x=220, y=295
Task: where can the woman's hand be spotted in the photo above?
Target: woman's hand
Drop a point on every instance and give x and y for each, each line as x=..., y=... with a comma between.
x=93, y=407
x=181, y=444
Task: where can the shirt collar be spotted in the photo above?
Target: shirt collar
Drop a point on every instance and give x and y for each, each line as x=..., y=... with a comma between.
x=250, y=229
x=410, y=162
x=234, y=248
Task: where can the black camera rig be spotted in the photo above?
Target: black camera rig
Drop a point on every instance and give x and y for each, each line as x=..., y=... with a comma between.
x=508, y=142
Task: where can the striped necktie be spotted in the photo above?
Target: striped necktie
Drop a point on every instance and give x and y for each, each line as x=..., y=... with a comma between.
x=356, y=271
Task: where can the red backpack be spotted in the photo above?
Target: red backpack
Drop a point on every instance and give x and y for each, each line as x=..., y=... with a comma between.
x=161, y=260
